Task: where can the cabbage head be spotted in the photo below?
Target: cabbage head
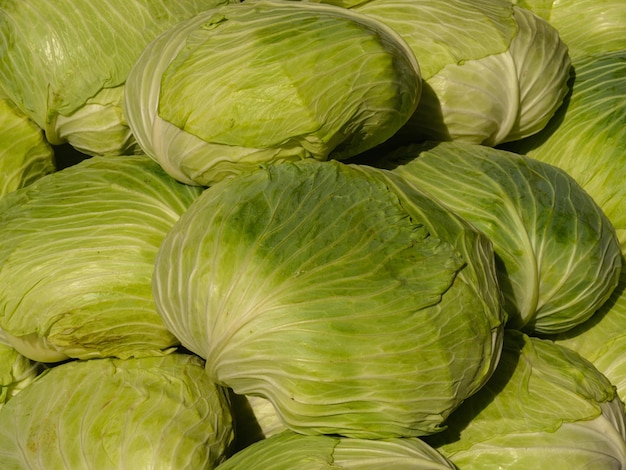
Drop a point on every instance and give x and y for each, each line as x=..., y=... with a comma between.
x=76, y=259
x=355, y=305
x=270, y=80
x=25, y=155
x=558, y=256
x=64, y=63
x=602, y=339
x=115, y=414
x=289, y=450
x=587, y=137
x=545, y=407
x=492, y=72
x=588, y=27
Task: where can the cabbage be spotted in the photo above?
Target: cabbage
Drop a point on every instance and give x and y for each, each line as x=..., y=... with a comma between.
x=114, y=414
x=264, y=81
x=545, y=407
x=492, y=72
x=76, y=259
x=289, y=450
x=588, y=27
x=602, y=339
x=353, y=308
x=25, y=155
x=587, y=138
x=559, y=258
x=16, y=372
x=64, y=63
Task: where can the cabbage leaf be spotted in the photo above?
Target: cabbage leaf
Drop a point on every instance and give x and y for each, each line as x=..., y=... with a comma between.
x=587, y=138
x=115, y=414
x=545, y=407
x=312, y=285
x=290, y=450
x=262, y=81
x=558, y=256
x=588, y=27
x=25, y=155
x=492, y=72
x=64, y=63
x=76, y=259
x=16, y=372
x=602, y=339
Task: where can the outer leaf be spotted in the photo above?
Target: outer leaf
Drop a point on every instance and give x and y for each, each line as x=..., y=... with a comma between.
x=111, y=414
x=16, y=372
x=492, y=72
x=588, y=27
x=59, y=55
x=263, y=81
x=76, y=259
x=289, y=450
x=545, y=407
x=602, y=339
x=543, y=66
x=311, y=285
x=25, y=155
x=559, y=258
x=587, y=138
x=452, y=32
x=262, y=416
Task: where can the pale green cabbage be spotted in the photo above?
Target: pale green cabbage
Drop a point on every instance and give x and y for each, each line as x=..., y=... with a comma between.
x=559, y=258
x=587, y=138
x=76, y=259
x=25, y=155
x=113, y=414
x=16, y=372
x=289, y=450
x=602, y=339
x=64, y=63
x=263, y=81
x=545, y=407
x=492, y=72
x=588, y=27
x=353, y=308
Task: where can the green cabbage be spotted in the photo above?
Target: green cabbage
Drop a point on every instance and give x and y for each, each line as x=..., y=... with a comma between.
x=545, y=407
x=588, y=27
x=354, y=308
x=114, y=414
x=559, y=258
x=587, y=138
x=492, y=72
x=289, y=450
x=16, y=372
x=25, y=155
x=64, y=63
x=602, y=339
x=76, y=259
x=261, y=81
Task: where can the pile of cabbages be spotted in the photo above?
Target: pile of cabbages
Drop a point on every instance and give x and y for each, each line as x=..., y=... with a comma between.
x=283, y=234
